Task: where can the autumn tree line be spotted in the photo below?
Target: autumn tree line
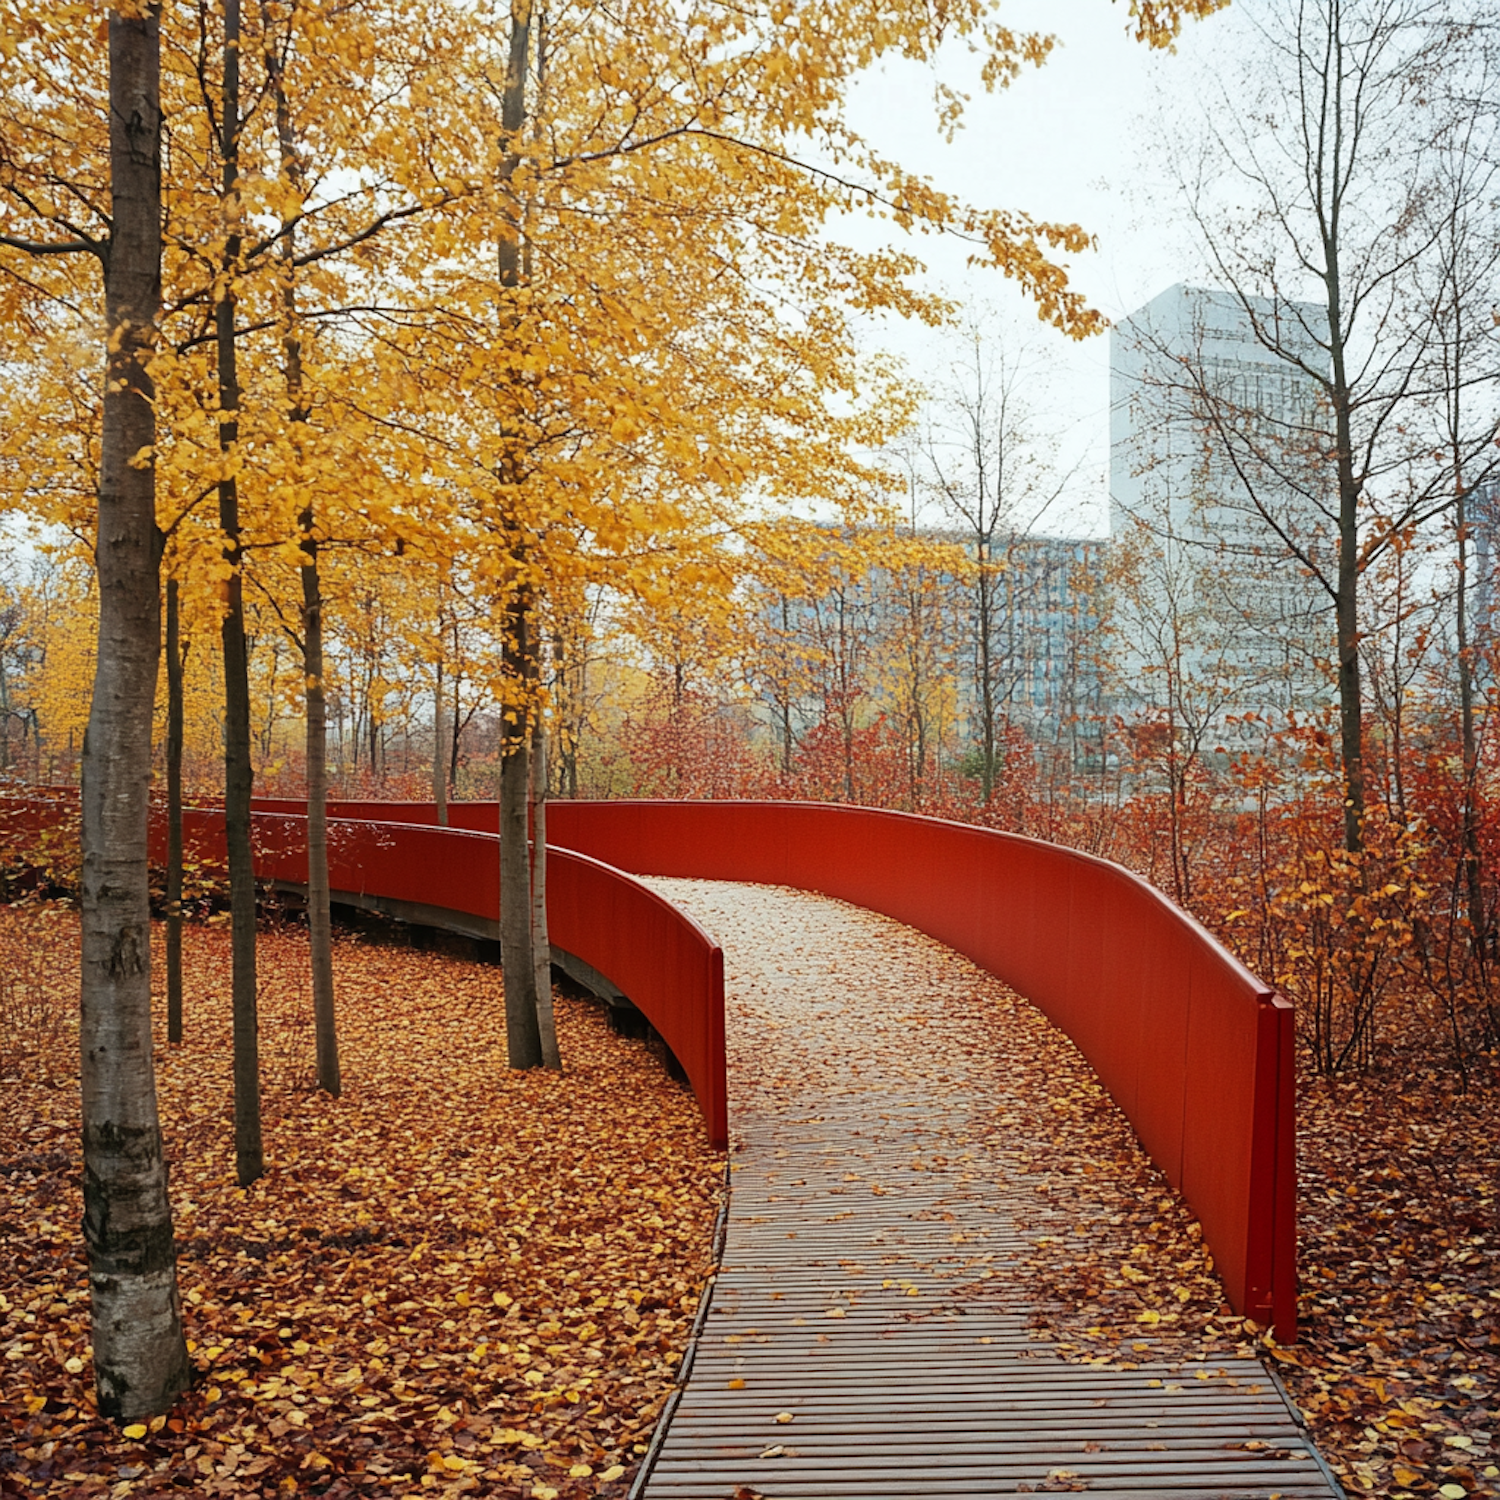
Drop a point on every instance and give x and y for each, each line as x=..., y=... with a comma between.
x=312, y=304
x=375, y=370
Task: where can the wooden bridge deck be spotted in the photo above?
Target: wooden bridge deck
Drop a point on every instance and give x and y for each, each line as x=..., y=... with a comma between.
x=865, y=1338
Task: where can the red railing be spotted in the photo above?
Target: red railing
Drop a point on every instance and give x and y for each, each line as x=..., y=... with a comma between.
x=1196, y=1051
x=658, y=955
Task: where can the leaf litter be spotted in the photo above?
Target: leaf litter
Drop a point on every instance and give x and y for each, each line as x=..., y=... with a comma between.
x=454, y=1279
x=346, y=1311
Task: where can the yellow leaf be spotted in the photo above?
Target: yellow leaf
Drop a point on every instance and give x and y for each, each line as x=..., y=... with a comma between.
x=135, y=1430
x=612, y=1473
x=784, y=1416
x=580, y=1471
x=736, y=1384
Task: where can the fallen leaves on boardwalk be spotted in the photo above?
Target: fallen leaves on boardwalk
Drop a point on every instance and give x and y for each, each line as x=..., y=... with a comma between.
x=1398, y=1366
x=454, y=1279
x=1118, y=1270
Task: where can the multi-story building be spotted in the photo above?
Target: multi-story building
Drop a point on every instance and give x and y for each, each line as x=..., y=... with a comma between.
x=1043, y=657
x=1028, y=624
x=1214, y=505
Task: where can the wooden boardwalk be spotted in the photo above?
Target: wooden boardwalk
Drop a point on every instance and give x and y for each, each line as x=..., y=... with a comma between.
x=864, y=1338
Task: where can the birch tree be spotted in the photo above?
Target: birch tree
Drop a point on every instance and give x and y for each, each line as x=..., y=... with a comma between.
x=110, y=211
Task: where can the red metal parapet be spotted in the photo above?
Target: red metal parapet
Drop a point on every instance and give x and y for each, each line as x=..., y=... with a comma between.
x=658, y=955
x=1196, y=1050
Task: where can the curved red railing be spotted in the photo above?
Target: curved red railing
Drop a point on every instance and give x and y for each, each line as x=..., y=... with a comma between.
x=1196, y=1051
x=659, y=956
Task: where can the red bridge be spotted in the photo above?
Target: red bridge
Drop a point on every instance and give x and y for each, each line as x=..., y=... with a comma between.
x=1194, y=1049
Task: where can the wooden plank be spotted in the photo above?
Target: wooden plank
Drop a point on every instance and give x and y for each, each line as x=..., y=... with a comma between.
x=886, y=1329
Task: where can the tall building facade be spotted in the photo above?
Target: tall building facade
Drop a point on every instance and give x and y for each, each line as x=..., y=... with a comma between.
x=1217, y=506
x=1040, y=601
x=1044, y=647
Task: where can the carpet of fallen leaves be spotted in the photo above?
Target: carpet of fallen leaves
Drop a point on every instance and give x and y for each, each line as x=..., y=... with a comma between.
x=1398, y=1367
x=453, y=1279
x=1397, y=1364
x=457, y=1278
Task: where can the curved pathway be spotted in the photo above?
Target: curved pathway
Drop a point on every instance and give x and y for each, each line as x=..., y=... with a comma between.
x=868, y=1333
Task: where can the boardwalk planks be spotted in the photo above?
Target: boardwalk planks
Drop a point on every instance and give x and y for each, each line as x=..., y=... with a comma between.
x=867, y=1335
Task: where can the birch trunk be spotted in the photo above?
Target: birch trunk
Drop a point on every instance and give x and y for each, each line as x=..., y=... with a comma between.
x=140, y=1357
x=518, y=658
x=319, y=908
x=522, y=1029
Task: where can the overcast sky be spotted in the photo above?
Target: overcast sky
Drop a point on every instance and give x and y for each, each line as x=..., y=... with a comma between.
x=1064, y=142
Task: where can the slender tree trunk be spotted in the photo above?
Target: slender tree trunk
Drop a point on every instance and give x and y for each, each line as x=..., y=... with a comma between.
x=174, y=813
x=1346, y=599
x=522, y=1030
x=315, y=701
x=458, y=729
x=1351, y=708
x=140, y=1356
x=784, y=699
x=988, y=767
x=1472, y=857
x=518, y=656
x=319, y=906
x=238, y=777
x=541, y=947
x=439, y=749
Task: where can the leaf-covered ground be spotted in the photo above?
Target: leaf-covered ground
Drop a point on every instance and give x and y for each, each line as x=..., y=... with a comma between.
x=453, y=1279
x=1399, y=1364
x=460, y=1278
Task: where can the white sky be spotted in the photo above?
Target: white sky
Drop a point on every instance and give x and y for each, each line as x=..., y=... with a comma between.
x=1064, y=143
